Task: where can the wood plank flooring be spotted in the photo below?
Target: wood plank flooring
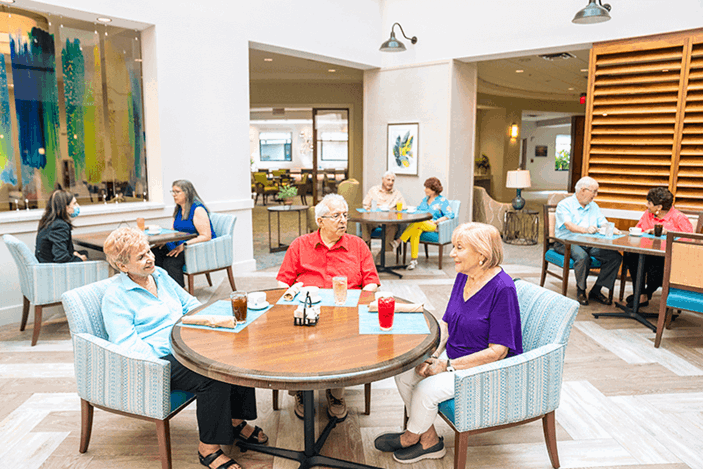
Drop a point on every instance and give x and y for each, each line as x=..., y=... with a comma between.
x=624, y=403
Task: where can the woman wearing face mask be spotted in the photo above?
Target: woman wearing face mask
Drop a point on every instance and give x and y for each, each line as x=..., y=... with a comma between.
x=54, y=243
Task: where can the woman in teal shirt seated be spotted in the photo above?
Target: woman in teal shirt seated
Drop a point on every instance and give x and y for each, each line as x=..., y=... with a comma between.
x=435, y=204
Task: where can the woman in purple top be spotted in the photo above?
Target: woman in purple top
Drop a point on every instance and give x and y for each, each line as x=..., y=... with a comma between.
x=481, y=325
x=190, y=216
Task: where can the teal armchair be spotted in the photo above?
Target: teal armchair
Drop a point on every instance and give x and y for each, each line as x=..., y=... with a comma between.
x=211, y=256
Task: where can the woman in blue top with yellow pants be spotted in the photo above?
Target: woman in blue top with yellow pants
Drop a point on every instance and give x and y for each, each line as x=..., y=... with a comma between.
x=190, y=216
x=435, y=204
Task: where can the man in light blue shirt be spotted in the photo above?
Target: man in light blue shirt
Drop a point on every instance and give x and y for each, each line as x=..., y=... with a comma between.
x=578, y=214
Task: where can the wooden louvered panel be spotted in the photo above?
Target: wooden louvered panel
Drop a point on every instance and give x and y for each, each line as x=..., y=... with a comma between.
x=632, y=120
x=632, y=140
x=636, y=79
x=662, y=67
x=645, y=98
x=693, y=129
x=633, y=130
x=637, y=89
x=694, y=107
x=608, y=150
x=697, y=140
x=627, y=180
x=669, y=108
x=691, y=172
x=632, y=161
x=643, y=56
x=693, y=119
x=696, y=74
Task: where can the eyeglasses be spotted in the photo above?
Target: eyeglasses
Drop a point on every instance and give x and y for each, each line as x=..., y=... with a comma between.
x=175, y=192
x=337, y=216
x=591, y=190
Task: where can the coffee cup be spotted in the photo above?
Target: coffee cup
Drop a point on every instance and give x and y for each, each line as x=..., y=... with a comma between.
x=314, y=291
x=256, y=298
x=636, y=231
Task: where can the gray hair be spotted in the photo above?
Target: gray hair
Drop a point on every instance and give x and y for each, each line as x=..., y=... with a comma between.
x=322, y=208
x=388, y=173
x=484, y=239
x=585, y=182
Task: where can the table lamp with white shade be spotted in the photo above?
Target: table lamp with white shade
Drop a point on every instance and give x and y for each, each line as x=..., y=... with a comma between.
x=518, y=179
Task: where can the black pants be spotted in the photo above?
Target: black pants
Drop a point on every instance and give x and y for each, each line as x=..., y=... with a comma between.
x=653, y=271
x=218, y=403
x=172, y=265
x=609, y=259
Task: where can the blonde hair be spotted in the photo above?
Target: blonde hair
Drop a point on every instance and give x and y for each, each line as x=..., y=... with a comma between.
x=121, y=243
x=484, y=239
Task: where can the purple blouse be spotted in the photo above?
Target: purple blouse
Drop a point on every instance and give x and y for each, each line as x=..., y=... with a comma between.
x=491, y=316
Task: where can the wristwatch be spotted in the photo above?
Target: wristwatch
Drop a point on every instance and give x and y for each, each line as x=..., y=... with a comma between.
x=450, y=368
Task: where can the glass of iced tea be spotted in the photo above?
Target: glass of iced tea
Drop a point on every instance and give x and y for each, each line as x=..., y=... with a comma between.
x=140, y=223
x=239, y=306
x=386, y=310
x=339, y=288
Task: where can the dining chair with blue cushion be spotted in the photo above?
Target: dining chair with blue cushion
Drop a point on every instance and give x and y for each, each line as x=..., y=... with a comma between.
x=442, y=236
x=683, y=278
x=550, y=256
x=43, y=283
x=519, y=389
x=213, y=255
x=112, y=377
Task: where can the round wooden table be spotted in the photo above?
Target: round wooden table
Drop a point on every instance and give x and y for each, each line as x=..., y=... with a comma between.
x=272, y=353
x=383, y=218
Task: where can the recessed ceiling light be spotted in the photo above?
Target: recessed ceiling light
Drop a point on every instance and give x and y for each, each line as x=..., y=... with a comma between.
x=138, y=60
x=519, y=71
x=268, y=60
x=571, y=89
x=584, y=69
x=331, y=70
x=9, y=2
x=105, y=20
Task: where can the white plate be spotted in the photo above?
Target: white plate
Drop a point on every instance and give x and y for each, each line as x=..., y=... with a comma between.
x=315, y=300
x=153, y=232
x=633, y=234
x=263, y=305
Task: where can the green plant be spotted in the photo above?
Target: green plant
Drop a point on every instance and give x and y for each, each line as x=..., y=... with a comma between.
x=287, y=192
x=482, y=162
x=561, y=162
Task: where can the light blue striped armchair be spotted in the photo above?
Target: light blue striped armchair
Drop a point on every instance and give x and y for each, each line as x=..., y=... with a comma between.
x=43, y=284
x=213, y=255
x=442, y=236
x=112, y=378
x=518, y=389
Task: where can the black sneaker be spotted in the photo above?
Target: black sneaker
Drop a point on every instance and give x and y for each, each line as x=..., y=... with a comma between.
x=415, y=453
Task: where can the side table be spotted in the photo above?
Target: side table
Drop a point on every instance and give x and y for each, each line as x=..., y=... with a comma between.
x=521, y=227
x=284, y=208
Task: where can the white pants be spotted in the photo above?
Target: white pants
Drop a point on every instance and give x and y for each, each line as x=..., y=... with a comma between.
x=423, y=395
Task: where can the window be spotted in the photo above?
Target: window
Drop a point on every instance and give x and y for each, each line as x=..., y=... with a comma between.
x=71, y=112
x=562, y=152
x=275, y=146
x=334, y=146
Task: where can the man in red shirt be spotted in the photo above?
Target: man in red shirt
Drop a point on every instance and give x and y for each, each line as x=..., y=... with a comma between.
x=317, y=257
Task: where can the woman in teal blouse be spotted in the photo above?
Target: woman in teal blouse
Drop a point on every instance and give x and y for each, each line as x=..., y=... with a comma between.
x=435, y=204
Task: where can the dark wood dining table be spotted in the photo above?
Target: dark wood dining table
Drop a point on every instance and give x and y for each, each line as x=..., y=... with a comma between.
x=273, y=353
x=640, y=245
x=383, y=218
x=97, y=239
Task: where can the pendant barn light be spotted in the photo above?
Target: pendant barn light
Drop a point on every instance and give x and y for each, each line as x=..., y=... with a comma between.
x=594, y=12
x=394, y=45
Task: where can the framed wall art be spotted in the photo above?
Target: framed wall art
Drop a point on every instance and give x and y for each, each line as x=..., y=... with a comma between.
x=541, y=150
x=403, y=145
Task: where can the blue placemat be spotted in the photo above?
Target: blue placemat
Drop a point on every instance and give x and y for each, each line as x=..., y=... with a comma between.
x=224, y=308
x=647, y=235
x=598, y=235
x=327, y=296
x=405, y=323
x=163, y=231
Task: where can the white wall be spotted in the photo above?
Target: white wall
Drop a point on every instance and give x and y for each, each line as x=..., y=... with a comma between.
x=542, y=172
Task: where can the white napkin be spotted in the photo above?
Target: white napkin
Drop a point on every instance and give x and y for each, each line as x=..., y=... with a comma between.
x=292, y=291
x=401, y=307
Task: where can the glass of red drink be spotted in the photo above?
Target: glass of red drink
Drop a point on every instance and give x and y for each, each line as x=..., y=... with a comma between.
x=386, y=310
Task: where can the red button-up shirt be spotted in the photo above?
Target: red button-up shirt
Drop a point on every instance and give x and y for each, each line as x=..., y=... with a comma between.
x=672, y=221
x=308, y=260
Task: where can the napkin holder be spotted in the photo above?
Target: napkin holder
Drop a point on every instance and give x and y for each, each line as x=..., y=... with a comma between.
x=306, y=314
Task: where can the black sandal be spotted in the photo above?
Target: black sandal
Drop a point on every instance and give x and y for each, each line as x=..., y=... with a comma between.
x=253, y=438
x=207, y=460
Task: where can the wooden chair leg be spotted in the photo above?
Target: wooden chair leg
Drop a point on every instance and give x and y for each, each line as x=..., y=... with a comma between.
x=25, y=313
x=461, y=449
x=441, y=251
x=37, y=324
x=550, y=437
x=545, y=264
x=275, y=399
x=230, y=275
x=191, y=284
x=663, y=312
x=565, y=269
x=164, y=436
x=86, y=425
x=367, y=398
x=209, y=279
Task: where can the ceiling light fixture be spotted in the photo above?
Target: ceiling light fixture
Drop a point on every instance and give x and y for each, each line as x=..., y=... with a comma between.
x=584, y=69
x=519, y=71
x=268, y=60
x=394, y=45
x=594, y=12
x=105, y=20
x=9, y=2
x=331, y=70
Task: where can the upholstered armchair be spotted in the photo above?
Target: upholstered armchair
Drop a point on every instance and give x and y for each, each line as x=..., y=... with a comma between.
x=43, y=284
x=518, y=389
x=487, y=210
x=442, y=236
x=113, y=378
x=213, y=255
x=264, y=187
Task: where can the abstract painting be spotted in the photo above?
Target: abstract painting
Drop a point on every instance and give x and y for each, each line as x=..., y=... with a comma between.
x=403, y=147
